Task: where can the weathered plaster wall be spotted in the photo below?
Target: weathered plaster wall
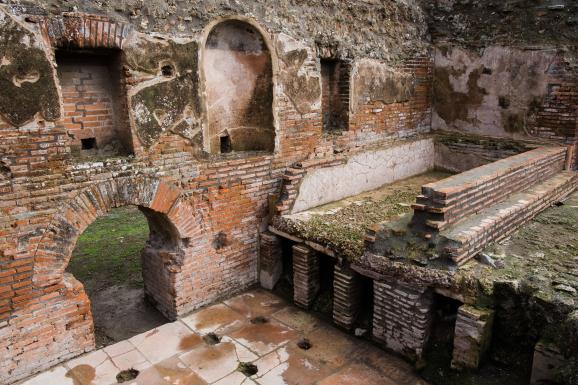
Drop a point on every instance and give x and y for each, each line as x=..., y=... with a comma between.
x=499, y=92
x=506, y=69
x=164, y=89
x=364, y=172
x=374, y=81
x=239, y=88
x=26, y=75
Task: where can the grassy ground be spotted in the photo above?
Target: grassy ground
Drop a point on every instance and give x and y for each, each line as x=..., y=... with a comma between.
x=108, y=251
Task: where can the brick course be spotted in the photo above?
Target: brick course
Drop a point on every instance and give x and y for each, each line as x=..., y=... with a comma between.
x=306, y=276
x=402, y=317
x=450, y=200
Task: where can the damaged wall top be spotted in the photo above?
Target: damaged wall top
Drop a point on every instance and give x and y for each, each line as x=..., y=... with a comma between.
x=386, y=30
x=520, y=23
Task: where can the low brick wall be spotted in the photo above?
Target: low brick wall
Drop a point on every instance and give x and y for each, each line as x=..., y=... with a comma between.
x=450, y=200
x=402, y=316
x=458, y=152
x=471, y=236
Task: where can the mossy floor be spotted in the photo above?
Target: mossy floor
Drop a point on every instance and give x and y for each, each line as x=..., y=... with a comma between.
x=108, y=251
x=341, y=225
x=544, y=253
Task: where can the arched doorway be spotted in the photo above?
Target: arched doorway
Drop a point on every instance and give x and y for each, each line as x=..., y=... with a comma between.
x=113, y=258
x=171, y=224
x=238, y=77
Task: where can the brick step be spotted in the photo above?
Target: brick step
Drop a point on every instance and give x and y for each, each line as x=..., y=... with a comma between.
x=462, y=241
x=453, y=199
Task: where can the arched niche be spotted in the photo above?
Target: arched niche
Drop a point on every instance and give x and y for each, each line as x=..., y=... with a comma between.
x=238, y=75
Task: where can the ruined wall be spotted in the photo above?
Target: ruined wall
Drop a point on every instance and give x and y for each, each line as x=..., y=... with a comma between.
x=390, y=31
x=506, y=69
x=363, y=172
x=48, y=196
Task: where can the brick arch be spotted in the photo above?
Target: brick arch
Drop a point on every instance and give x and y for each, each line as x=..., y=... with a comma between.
x=82, y=30
x=162, y=203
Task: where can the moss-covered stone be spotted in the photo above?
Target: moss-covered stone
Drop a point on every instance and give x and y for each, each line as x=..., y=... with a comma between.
x=26, y=76
x=171, y=105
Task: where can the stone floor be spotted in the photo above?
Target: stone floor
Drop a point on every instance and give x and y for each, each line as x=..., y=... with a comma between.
x=254, y=327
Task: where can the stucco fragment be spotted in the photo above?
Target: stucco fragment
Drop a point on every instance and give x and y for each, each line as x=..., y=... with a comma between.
x=166, y=105
x=26, y=75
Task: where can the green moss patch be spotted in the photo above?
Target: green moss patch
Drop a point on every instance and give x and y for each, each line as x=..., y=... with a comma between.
x=341, y=226
x=108, y=252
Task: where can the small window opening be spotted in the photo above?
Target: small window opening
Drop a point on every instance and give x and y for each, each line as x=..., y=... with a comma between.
x=335, y=76
x=88, y=143
x=167, y=70
x=225, y=144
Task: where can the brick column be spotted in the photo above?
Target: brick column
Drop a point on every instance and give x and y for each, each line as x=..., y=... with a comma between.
x=473, y=333
x=270, y=257
x=306, y=280
x=346, y=296
x=402, y=317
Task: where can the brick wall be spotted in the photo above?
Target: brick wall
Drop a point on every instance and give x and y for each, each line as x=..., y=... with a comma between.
x=89, y=101
x=375, y=121
x=457, y=152
x=47, y=199
x=557, y=117
x=402, y=317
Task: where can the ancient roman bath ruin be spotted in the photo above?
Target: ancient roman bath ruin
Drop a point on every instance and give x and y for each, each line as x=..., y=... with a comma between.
x=333, y=192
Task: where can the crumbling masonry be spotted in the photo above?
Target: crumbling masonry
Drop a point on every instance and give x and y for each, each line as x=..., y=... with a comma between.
x=236, y=121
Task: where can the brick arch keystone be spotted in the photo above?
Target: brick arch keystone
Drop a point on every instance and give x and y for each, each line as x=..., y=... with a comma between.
x=59, y=238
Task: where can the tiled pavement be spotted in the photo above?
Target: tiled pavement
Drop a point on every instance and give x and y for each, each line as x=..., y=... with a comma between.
x=176, y=354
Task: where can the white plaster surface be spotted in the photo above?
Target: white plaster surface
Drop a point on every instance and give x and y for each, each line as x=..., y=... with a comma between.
x=364, y=172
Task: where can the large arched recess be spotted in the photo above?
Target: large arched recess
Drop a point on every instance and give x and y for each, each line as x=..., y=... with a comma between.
x=238, y=79
x=172, y=226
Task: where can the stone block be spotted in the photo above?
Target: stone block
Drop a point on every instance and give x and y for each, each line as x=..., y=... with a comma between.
x=472, y=337
x=547, y=360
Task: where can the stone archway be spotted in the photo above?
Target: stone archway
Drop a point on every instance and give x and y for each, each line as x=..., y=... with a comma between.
x=171, y=222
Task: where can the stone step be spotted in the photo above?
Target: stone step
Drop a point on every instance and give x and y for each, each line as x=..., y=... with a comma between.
x=449, y=201
x=462, y=241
